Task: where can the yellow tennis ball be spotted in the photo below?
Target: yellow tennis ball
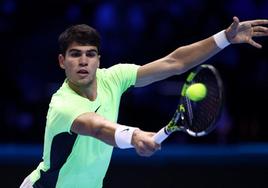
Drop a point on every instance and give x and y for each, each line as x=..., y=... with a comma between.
x=196, y=92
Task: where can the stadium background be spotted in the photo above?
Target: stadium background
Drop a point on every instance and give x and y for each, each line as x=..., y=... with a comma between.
x=234, y=155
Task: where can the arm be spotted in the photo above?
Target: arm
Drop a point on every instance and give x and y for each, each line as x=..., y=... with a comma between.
x=92, y=124
x=186, y=57
x=177, y=62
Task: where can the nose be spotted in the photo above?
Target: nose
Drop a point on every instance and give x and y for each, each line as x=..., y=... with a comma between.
x=83, y=60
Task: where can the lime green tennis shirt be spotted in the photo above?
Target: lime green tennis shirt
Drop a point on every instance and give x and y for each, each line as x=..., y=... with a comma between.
x=77, y=161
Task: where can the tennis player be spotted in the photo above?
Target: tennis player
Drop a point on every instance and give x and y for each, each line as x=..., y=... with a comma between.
x=81, y=128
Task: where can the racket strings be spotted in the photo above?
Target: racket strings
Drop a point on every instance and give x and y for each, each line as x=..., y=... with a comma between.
x=203, y=114
x=190, y=111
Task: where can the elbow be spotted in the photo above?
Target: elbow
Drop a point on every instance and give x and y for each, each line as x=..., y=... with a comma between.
x=85, y=124
x=93, y=125
x=176, y=65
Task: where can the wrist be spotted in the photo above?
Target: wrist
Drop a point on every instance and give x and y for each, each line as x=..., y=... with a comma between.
x=123, y=136
x=135, y=137
x=221, y=39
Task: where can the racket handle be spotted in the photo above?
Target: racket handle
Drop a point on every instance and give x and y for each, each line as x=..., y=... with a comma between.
x=160, y=136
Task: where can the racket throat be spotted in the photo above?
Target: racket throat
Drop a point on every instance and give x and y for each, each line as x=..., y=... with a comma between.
x=176, y=124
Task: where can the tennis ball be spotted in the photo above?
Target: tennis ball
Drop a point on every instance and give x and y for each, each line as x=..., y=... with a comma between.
x=196, y=92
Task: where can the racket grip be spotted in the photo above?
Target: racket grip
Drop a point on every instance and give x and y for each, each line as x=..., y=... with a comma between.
x=160, y=136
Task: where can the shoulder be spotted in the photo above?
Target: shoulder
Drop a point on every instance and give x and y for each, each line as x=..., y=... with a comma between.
x=65, y=97
x=118, y=69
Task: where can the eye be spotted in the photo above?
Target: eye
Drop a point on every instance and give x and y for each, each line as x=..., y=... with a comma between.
x=75, y=54
x=91, y=54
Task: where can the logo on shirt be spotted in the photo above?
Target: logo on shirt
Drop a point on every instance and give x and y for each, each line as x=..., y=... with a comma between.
x=126, y=129
x=97, y=109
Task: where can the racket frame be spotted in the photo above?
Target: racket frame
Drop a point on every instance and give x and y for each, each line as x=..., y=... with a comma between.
x=177, y=121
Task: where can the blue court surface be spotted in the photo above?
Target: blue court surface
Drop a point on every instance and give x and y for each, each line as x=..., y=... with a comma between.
x=222, y=166
x=179, y=154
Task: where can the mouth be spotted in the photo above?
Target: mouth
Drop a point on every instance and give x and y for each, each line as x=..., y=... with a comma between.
x=82, y=72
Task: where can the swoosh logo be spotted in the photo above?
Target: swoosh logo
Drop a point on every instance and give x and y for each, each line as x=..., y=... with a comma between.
x=97, y=109
x=127, y=129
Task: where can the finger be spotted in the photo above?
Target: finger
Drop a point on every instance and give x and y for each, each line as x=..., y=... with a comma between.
x=255, y=44
x=259, y=34
x=258, y=22
x=142, y=149
x=236, y=19
x=152, y=146
x=142, y=153
x=235, y=23
x=158, y=147
x=260, y=31
x=260, y=28
x=148, y=146
x=145, y=153
x=151, y=134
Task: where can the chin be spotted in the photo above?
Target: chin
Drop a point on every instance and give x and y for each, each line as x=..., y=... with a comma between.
x=85, y=82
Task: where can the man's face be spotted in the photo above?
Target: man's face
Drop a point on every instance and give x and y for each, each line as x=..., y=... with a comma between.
x=80, y=64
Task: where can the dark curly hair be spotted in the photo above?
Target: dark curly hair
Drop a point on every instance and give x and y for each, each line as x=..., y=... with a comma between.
x=82, y=34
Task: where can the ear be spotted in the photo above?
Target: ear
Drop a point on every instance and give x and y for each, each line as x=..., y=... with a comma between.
x=61, y=61
x=99, y=56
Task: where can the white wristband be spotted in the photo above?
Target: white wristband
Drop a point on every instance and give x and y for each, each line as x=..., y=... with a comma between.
x=221, y=40
x=123, y=136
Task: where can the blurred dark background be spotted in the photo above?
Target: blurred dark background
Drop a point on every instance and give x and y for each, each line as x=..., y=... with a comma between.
x=138, y=32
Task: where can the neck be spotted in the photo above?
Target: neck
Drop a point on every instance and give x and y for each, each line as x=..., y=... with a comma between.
x=89, y=91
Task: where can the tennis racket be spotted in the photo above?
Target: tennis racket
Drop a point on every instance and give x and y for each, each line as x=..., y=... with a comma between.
x=196, y=118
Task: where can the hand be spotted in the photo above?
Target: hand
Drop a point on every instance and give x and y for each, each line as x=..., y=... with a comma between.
x=243, y=32
x=144, y=143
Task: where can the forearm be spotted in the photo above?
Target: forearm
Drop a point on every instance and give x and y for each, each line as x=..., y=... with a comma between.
x=92, y=124
x=181, y=60
x=188, y=56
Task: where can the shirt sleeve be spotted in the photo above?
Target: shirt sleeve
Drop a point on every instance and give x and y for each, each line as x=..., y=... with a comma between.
x=61, y=116
x=123, y=75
